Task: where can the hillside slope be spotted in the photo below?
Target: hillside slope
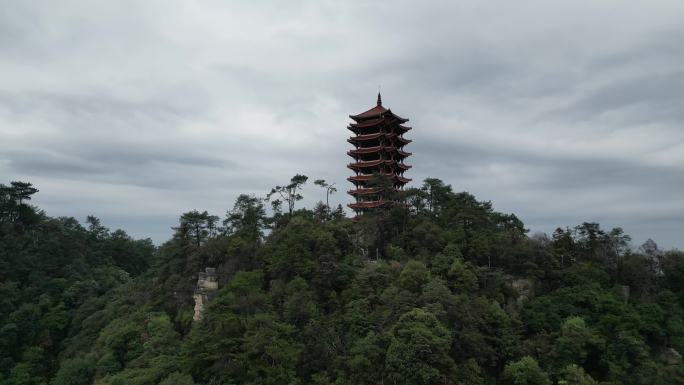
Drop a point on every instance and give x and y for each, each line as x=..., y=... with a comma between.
x=446, y=291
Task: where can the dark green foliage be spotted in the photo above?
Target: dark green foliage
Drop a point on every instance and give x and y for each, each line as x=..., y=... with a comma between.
x=49, y=269
x=13, y=207
x=575, y=375
x=445, y=291
x=247, y=218
x=76, y=371
x=526, y=371
x=413, y=276
x=177, y=378
x=418, y=351
x=289, y=193
x=196, y=227
x=329, y=190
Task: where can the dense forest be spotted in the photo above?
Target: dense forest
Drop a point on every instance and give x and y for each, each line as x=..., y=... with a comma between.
x=442, y=290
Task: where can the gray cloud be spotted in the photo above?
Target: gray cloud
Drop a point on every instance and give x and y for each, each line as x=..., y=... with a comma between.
x=136, y=112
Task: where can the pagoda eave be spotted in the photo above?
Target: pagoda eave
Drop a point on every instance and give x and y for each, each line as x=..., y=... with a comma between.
x=367, y=205
x=363, y=191
x=373, y=112
x=377, y=111
x=361, y=138
x=362, y=165
x=367, y=123
x=369, y=177
x=373, y=163
x=367, y=150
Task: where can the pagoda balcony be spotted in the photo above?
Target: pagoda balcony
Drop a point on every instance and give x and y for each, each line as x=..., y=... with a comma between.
x=398, y=137
x=363, y=138
x=389, y=129
x=363, y=191
x=368, y=177
x=387, y=121
x=366, y=164
x=396, y=154
x=367, y=205
x=365, y=150
x=390, y=152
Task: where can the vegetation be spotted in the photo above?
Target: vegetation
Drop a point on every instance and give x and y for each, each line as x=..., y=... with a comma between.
x=443, y=291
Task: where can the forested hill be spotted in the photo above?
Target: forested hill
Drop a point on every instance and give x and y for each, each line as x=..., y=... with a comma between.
x=443, y=291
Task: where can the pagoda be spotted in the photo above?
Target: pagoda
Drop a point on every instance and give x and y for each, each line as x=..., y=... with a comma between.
x=378, y=139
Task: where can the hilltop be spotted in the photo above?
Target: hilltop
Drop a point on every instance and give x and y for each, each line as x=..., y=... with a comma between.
x=443, y=291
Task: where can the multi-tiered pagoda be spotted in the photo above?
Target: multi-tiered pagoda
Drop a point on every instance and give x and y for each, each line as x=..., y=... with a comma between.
x=378, y=157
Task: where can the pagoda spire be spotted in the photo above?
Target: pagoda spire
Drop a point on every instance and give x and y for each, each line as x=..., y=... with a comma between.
x=379, y=99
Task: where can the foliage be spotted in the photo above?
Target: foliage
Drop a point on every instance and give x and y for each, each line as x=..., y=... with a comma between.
x=77, y=371
x=526, y=371
x=247, y=218
x=444, y=290
x=49, y=269
x=329, y=190
x=418, y=351
x=290, y=192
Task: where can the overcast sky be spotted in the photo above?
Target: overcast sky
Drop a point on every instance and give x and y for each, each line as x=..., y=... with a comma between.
x=559, y=112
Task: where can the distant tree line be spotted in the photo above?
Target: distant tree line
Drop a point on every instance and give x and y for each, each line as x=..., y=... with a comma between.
x=13, y=203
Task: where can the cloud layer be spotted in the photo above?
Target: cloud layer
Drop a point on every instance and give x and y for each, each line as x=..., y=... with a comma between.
x=560, y=112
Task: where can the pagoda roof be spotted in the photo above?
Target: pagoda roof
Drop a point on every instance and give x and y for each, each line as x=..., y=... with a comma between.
x=367, y=205
x=376, y=149
x=373, y=163
x=363, y=191
x=370, y=163
x=367, y=123
x=361, y=138
x=366, y=150
x=376, y=111
x=369, y=190
x=354, y=127
x=373, y=112
x=368, y=177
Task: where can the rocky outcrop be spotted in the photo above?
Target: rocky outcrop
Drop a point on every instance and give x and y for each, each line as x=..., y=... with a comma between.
x=207, y=284
x=671, y=357
x=520, y=291
x=523, y=287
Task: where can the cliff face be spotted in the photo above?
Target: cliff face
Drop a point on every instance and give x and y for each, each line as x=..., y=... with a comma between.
x=207, y=284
